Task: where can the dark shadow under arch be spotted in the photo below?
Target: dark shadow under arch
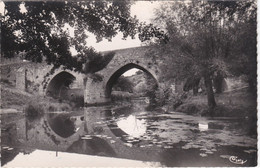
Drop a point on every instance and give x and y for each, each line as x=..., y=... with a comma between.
x=59, y=84
x=112, y=80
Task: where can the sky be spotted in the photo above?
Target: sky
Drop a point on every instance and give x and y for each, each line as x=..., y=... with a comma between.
x=144, y=12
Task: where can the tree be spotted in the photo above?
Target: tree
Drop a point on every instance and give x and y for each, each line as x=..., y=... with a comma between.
x=192, y=83
x=202, y=39
x=244, y=53
x=41, y=31
x=123, y=84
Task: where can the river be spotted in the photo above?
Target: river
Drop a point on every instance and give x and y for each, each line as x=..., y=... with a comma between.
x=131, y=135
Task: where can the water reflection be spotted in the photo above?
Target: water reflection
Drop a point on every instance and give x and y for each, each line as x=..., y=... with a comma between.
x=92, y=146
x=132, y=126
x=64, y=125
x=133, y=133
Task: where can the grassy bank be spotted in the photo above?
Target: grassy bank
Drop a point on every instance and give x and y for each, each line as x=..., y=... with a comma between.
x=14, y=99
x=19, y=101
x=238, y=103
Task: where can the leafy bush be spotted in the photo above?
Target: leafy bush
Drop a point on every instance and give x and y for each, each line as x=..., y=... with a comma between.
x=158, y=97
x=34, y=111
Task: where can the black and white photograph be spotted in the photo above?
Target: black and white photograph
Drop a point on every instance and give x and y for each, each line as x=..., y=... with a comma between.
x=128, y=83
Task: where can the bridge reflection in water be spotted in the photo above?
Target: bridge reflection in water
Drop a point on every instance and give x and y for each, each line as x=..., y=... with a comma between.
x=90, y=131
x=170, y=139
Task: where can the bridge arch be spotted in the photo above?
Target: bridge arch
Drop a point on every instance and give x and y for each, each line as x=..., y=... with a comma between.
x=116, y=74
x=64, y=83
x=59, y=84
x=98, y=86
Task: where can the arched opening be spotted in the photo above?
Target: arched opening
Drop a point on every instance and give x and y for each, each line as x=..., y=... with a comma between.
x=130, y=81
x=64, y=86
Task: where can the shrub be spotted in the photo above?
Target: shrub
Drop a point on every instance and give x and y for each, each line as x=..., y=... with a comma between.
x=34, y=111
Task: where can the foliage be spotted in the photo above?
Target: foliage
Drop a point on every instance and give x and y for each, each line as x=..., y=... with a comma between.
x=155, y=94
x=192, y=83
x=244, y=52
x=46, y=31
x=149, y=32
x=34, y=112
x=97, y=77
x=96, y=62
x=203, y=38
x=42, y=31
x=123, y=84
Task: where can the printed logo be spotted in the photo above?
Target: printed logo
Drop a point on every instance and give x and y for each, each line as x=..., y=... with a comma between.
x=235, y=160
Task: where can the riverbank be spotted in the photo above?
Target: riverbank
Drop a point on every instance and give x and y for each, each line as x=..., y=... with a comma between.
x=16, y=101
x=237, y=103
x=12, y=98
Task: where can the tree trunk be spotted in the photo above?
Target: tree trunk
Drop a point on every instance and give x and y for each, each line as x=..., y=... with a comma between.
x=210, y=94
x=218, y=83
x=195, y=86
x=195, y=90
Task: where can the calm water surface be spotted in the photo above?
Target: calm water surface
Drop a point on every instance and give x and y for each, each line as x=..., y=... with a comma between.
x=127, y=136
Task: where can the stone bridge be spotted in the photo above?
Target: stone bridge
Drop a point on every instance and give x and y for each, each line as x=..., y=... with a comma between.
x=96, y=88
x=98, y=91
